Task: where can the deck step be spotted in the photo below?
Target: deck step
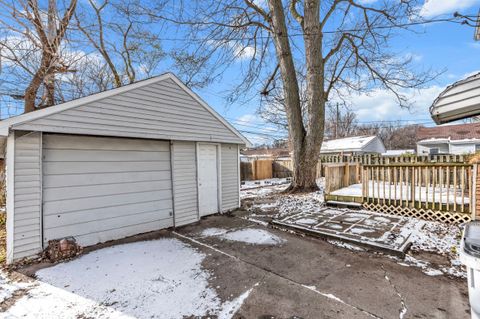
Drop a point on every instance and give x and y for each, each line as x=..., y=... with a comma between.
x=341, y=204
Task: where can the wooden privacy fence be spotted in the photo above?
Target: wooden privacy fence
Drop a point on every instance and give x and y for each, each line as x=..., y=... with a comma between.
x=434, y=191
x=341, y=175
x=377, y=159
x=264, y=169
x=255, y=170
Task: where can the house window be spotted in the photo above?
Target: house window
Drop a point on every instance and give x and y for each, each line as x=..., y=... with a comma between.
x=434, y=151
x=477, y=148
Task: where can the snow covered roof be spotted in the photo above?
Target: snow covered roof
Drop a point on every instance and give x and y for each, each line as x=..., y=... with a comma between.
x=351, y=144
x=449, y=141
x=398, y=152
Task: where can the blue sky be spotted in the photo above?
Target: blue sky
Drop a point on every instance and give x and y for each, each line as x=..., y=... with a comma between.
x=441, y=46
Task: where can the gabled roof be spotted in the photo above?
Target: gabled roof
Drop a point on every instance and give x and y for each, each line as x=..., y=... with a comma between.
x=57, y=113
x=451, y=132
x=348, y=144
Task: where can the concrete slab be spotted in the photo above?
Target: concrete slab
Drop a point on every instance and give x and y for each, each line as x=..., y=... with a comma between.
x=310, y=278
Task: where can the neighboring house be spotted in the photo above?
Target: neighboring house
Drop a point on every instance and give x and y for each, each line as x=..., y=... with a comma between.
x=394, y=153
x=458, y=101
x=449, y=139
x=248, y=155
x=134, y=159
x=353, y=145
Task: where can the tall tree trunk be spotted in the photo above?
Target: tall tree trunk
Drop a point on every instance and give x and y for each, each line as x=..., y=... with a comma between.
x=305, y=141
x=51, y=34
x=37, y=80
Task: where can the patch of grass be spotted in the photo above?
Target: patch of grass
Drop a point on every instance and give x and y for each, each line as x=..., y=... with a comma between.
x=3, y=238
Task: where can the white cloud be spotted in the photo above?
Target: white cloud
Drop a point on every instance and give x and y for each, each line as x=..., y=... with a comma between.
x=367, y=1
x=381, y=105
x=433, y=8
x=242, y=52
x=257, y=130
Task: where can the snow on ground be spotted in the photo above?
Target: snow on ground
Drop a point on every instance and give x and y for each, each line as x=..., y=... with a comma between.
x=264, y=182
x=8, y=286
x=402, y=191
x=250, y=189
x=253, y=236
x=151, y=279
x=426, y=236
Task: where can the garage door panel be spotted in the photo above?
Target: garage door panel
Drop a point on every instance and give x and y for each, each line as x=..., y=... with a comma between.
x=107, y=156
x=55, y=168
x=96, y=227
x=63, y=206
x=106, y=178
x=95, y=188
x=73, y=142
x=76, y=192
x=105, y=235
x=100, y=214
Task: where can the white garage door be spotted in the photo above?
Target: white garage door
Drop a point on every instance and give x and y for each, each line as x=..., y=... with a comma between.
x=97, y=189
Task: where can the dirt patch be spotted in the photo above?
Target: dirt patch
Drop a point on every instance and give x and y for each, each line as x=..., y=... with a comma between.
x=3, y=238
x=436, y=260
x=8, y=302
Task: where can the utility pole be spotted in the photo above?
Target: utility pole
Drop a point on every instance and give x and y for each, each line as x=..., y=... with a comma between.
x=337, y=115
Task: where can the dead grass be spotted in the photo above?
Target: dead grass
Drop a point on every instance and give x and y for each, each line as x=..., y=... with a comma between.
x=3, y=238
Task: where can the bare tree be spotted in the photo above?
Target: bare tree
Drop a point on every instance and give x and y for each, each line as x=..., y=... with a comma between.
x=340, y=123
x=121, y=32
x=394, y=135
x=39, y=33
x=343, y=46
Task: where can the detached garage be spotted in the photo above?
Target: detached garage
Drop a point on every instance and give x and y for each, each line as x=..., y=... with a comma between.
x=139, y=158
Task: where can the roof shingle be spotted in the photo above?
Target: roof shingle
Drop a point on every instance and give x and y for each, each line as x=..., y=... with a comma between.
x=453, y=132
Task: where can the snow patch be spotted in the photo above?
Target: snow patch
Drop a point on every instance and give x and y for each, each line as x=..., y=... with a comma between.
x=306, y=221
x=345, y=245
x=152, y=279
x=210, y=232
x=253, y=236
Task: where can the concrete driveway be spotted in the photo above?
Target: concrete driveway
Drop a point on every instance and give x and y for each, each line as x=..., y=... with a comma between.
x=310, y=278
x=226, y=266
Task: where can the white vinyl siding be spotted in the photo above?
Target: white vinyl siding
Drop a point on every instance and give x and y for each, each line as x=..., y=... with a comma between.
x=229, y=176
x=97, y=189
x=28, y=196
x=462, y=148
x=161, y=110
x=375, y=146
x=184, y=168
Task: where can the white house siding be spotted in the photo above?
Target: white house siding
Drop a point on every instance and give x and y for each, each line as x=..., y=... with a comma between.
x=375, y=146
x=99, y=188
x=229, y=176
x=424, y=149
x=462, y=148
x=162, y=110
x=184, y=168
x=28, y=198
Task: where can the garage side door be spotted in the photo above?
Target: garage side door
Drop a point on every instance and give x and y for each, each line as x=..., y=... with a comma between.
x=98, y=189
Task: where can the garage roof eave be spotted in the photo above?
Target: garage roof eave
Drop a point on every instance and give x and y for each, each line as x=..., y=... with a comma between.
x=10, y=123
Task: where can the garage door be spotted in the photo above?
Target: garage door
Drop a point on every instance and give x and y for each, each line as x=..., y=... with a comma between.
x=98, y=189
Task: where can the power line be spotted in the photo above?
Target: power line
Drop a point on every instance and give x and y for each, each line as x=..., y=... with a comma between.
x=401, y=25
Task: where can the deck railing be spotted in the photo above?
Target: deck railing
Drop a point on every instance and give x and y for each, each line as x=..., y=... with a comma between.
x=430, y=186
